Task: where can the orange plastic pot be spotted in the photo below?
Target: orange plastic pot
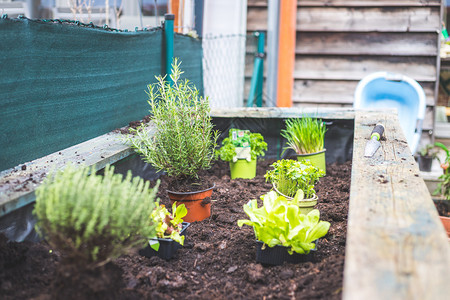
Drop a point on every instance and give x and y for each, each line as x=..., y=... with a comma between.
x=197, y=209
x=446, y=222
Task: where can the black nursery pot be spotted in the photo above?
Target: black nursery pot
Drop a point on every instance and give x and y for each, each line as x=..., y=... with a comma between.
x=167, y=247
x=425, y=163
x=279, y=254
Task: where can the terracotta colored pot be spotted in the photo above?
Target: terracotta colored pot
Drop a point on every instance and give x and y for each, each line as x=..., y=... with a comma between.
x=446, y=222
x=196, y=209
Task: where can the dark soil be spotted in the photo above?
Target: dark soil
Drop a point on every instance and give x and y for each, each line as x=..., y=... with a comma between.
x=133, y=125
x=216, y=262
x=443, y=207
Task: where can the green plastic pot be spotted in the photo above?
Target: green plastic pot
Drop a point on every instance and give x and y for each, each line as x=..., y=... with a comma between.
x=305, y=205
x=243, y=169
x=317, y=159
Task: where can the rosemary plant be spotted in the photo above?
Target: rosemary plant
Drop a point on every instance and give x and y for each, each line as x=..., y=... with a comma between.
x=184, y=140
x=305, y=135
x=94, y=218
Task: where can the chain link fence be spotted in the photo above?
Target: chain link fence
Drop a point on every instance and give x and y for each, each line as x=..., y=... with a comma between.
x=227, y=68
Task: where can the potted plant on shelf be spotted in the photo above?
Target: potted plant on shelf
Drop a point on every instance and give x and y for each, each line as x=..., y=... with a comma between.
x=241, y=149
x=425, y=157
x=92, y=219
x=306, y=137
x=170, y=231
x=295, y=180
x=282, y=233
x=182, y=143
x=444, y=186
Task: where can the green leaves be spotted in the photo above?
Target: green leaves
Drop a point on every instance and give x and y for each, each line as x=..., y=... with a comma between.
x=227, y=151
x=168, y=226
x=184, y=140
x=305, y=135
x=290, y=176
x=91, y=217
x=278, y=222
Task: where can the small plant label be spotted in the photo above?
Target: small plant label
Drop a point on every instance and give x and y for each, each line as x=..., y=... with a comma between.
x=241, y=139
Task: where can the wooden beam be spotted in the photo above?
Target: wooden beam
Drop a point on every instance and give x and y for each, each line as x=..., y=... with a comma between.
x=422, y=69
x=17, y=185
x=175, y=9
x=394, y=19
x=396, y=246
x=286, y=52
x=369, y=3
x=368, y=43
x=353, y=3
x=283, y=112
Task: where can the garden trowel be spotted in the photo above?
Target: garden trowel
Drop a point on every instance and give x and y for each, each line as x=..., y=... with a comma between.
x=374, y=143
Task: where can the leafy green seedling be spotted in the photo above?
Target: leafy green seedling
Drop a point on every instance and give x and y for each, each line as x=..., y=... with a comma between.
x=168, y=226
x=290, y=176
x=279, y=222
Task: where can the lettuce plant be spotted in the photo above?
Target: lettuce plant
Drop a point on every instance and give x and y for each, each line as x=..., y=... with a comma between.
x=279, y=222
x=228, y=150
x=168, y=226
x=290, y=176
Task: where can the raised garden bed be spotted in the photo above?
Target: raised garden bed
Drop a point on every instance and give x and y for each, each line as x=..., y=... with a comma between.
x=218, y=259
x=395, y=248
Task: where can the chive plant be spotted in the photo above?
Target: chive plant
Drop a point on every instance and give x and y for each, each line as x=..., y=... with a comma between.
x=94, y=218
x=305, y=135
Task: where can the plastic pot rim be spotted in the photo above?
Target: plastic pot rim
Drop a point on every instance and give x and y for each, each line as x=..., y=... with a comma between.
x=191, y=193
x=314, y=198
x=309, y=154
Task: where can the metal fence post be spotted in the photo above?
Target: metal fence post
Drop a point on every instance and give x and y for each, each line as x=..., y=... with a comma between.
x=169, y=35
x=256, y=84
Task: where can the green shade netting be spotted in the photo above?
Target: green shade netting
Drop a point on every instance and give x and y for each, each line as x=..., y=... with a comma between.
x=62, y=84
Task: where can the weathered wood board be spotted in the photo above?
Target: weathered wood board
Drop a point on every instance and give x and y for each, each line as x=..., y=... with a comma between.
x=376, y=3
x=396, y=246
x=354, y=67
x=339, y=42
x=17, y=184
x=344, y=18
x=368, y=43
x=365, y=3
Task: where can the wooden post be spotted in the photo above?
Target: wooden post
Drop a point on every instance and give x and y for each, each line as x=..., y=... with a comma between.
x=286, y=51
x=175, y=10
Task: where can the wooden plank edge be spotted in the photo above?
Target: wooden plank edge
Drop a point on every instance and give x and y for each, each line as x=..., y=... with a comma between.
x=18, y=185
x=366, y=4
x=283, y=112
x=302, y=4
x=302, y=29
x=299, y=75
x=355, y=52
x=401, y=280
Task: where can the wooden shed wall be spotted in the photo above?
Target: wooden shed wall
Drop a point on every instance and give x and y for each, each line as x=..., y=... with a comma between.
x=341, y=41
